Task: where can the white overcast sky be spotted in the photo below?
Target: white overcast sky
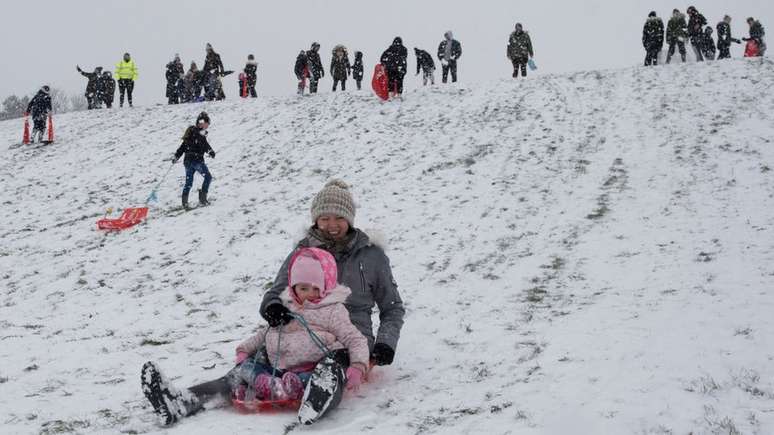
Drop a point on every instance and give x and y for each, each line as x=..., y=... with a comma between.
x=43, y=40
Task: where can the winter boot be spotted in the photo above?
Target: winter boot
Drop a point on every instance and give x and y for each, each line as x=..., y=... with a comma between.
x=263, y=384
x=293, y=386
x=170, y=404
x=203, y=198
x=185, y=201
x=323, y=392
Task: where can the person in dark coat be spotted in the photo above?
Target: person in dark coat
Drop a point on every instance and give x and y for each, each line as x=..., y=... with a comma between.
x=213, y=71
x=708, y=44
x=301, y=70
x=395, y=63
x=39, y=107
x=174, y=74
x=725, y=39
x=195, y=146
x=652, y=38
x=677, y=31
x=193, y=83
x=340, y=66
x=315, y=66
x=357, y=69
x=449, y=50
x=696, y=23
x=107, y=89
x=426, y=64
x=91, y=86
x=251, y=73
x=756, y=34
x=519, y=50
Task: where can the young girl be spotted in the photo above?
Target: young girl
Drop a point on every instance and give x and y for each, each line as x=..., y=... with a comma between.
x=291, y=352
x=357, y=69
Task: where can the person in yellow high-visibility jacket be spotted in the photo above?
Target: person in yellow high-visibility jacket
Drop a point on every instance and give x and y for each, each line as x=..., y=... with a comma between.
x=126, y=73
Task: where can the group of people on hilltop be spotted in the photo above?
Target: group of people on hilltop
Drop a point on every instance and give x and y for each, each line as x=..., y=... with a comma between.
x=196, y=84
x=101, y=86
x=696, y=31
x=309, y=66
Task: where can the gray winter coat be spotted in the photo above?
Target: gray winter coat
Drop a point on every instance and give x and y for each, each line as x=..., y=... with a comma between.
x=365, y=269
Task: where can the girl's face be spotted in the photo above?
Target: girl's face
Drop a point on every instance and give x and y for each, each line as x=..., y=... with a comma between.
x=307, y=292
x=334, y=227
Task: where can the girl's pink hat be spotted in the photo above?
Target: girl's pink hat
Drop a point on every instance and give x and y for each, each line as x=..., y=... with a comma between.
x=313, y=266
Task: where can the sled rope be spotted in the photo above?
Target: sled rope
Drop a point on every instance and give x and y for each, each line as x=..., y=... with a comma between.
x=315, y=338
x=152, y=196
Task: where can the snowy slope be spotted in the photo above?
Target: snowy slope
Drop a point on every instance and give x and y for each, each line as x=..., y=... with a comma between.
x=582, y=253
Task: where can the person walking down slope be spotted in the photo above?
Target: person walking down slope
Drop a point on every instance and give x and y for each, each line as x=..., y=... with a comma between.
x=251, y=74
x=195, y=146
x=174, y=74
x=340, y=66
x=357, y=69
x=39, y=107
x=708, y=45
x=449, y=50
x=696, y=23
x=652, y=38
x=426, y=64
x=756, y=34
x=519, y=50
x=395, y=63
x=315, y=66
x=107, y=89
x=91, y=86
x=725, y=39
x=301, y=70
x=677, y=31
x=126, y=72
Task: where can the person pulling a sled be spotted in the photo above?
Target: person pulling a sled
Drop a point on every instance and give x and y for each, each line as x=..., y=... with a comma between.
x=291, y=351
x=39, y=107
x=195, y=146
x=756, y=36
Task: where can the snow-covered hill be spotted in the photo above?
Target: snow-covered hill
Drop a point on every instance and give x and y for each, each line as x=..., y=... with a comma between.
x=583, y=253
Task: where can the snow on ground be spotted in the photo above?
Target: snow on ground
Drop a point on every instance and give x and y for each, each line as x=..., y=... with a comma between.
x=582, y=253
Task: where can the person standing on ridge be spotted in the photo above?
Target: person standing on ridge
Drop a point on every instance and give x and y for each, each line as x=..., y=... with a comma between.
x=696, y=23
x=301, y=70
x=519, y=50
x=251, y=72
x=126, y=72
x=426, y=64
x=175, y=73
x=449, y=50
x=756, y=34
x=652, y=38
x=708, y=44
x=396, y=65
x=357, y=69
x=212, y=71
x=315, y=66
x=340, y=67
x=195, y=146
x=725, y=39
x=91, y=86
x=107, y=86
x=677, y=31
x=39, y=107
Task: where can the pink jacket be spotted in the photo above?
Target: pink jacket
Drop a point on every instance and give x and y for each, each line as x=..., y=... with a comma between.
x=329, y=319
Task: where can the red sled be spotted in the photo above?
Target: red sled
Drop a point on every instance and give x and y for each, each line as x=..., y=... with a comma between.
x=265, y=406
x=26, y=135
x=380, y=83
x=50, y=128
x=752, y=49
x=129, y=218
x=243, y=85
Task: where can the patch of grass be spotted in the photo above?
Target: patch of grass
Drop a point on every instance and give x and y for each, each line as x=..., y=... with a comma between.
x=536, y=294
x=154, y=342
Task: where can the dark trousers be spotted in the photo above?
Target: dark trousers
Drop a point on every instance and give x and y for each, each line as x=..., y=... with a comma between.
x=251, y=90
x=671, y=52
x=313, y=84
x=696, y=45
x=125, y=85
x=395, y=82
x=38, y=126
x=190, y=169
x=651, y=58
x=343, y=84
x=519, y=63
x=724, y=51
x=359, y=83
x=451, y=66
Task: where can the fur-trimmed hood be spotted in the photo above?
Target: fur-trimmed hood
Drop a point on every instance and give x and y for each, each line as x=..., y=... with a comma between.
x=338, y=295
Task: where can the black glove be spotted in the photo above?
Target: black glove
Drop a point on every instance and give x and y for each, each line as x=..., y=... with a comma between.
x=277, y=314
x=212, y=154
x=382, y=354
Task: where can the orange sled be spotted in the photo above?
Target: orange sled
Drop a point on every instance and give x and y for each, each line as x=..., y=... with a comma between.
x=265, y=406
x=129, y=218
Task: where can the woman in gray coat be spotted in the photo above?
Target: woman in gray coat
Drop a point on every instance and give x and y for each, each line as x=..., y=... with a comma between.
x=363, y=267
